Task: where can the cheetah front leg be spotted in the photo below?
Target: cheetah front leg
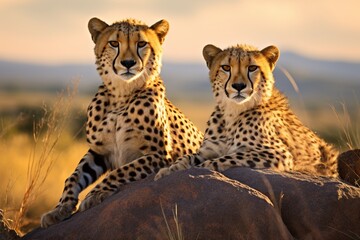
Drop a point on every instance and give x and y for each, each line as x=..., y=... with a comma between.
x=136, y=170
x=217, y=164
x=268, y=158
x=90, y=168
x=182, y=163
x=265, y=159
x=209, y=150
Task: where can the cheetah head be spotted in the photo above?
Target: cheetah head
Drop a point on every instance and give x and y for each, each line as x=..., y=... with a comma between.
x=127, y=51
x=241, y=76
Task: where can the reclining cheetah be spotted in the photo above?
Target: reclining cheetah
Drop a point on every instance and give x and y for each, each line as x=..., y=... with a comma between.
x=132, y=128
x=252, y=124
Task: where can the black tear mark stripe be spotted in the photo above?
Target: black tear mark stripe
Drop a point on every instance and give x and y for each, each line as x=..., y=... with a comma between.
x=248, y=73
x=138, y=53
x=251, y=82
x=226, y=92
x=114, y=61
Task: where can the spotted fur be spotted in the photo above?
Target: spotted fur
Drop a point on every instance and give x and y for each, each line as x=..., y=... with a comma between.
x=252, y=125
x=132, y=128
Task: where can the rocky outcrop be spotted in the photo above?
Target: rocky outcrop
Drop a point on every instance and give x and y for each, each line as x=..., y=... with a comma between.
x=240, y=203
x=311, y=207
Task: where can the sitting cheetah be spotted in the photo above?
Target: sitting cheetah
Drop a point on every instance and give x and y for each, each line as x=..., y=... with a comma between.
x=252, y=124
x=132, y=128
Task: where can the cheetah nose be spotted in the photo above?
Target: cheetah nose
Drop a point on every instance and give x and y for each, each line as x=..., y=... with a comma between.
x=128, y=63
x=238, y=86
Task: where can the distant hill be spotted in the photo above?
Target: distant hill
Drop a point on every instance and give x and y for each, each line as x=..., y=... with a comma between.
x=330, y=80
x=332, y=70
x=18, y=75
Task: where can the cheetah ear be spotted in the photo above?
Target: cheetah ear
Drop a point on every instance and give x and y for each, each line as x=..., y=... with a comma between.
x=209, y=52
x=272, y=54
x=161, y=28
x=96, y=26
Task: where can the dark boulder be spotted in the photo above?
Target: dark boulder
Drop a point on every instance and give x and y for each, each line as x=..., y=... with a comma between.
x=240, y=203
x=311, y=207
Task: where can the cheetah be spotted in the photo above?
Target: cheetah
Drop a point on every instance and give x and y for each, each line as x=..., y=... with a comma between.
x=133, y=130
x=252, y=124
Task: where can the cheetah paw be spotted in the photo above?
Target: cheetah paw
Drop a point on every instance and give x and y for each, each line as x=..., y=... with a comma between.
x=58, y=214
x=162, y=173
x=94, y=198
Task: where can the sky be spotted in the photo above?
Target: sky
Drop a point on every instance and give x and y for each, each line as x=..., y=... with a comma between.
x=55, y=32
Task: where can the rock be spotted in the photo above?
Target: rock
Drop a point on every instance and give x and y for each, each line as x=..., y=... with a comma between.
x=311, y=207
x=209, y=206
x=241, y=203
x=349, y=166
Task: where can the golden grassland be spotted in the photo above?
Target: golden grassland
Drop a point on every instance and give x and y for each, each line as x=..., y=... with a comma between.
x=50, y=152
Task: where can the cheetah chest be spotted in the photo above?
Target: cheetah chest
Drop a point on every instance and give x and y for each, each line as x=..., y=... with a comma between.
x=243, y=133
x=117, y=137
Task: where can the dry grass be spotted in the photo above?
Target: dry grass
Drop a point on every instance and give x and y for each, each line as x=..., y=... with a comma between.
x=350, y=235
x=46, y=135
x=173, y=233
x=348, y=125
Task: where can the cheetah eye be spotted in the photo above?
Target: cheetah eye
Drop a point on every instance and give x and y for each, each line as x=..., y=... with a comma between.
x=141, y=44
x=114, y=44
x=226, y=68
x=252, y=68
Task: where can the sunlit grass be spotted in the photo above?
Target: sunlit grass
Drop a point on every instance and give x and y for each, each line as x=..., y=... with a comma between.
x=348, y=125
x=13, y=175
x=36, y=156
x=173, y=233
